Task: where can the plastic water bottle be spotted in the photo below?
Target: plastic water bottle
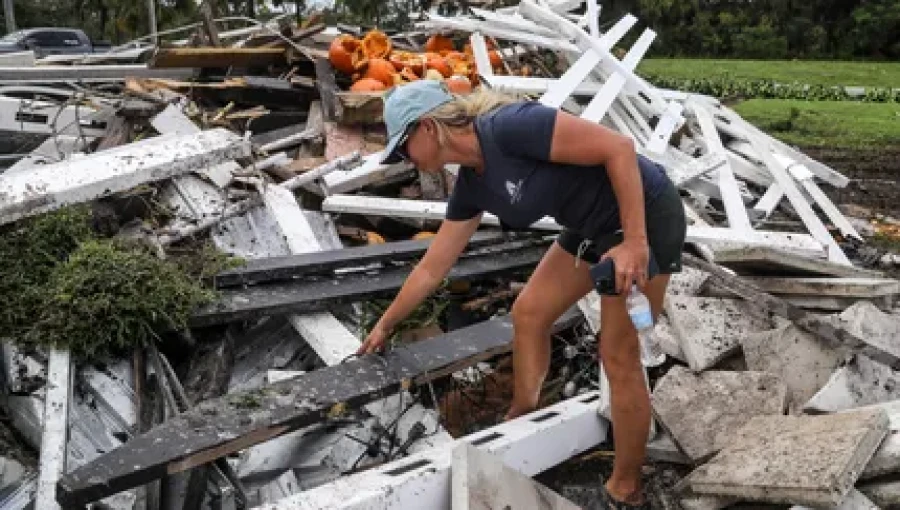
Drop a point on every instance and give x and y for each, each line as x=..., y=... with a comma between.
x=642, y=317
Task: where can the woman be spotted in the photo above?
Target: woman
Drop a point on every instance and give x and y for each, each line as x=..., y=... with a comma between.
x=522, y=161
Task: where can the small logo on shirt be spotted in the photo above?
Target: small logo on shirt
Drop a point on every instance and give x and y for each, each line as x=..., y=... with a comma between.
x=515, y=191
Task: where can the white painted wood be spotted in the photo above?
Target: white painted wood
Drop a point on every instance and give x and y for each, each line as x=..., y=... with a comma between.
x=734, y=205
x=56, y=428
x=53, y=186
x=17, y=59
x=670, y=121
x=599, y=105
x=561, y=89
x=530, y=85
x=593, y=18
x=798, y=201
x=769, y=201
x=512, y=21
x=173, y=121
x=639, y=49
x=718, y=238
x=529, y=444
x=624, y=117
x=370, y=172
x=482, y=59
x=481, y=481
x=497, y=31
x=749, y=171
x=87, y=73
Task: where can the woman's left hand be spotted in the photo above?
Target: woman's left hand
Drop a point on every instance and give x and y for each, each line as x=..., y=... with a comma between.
x=631, y=257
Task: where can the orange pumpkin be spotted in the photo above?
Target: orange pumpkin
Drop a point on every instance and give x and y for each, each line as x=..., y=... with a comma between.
x=496, y=59
x=438, y=43
x=368, y=85
x=404, y=59
x=459, y=84
x=439, y=64
x=341, y=52
x=408, y=74
x=381, y=70
x=376, y=44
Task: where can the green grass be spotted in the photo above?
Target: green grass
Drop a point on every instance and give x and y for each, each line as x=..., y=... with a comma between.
x=826, y=123
x=865, y=74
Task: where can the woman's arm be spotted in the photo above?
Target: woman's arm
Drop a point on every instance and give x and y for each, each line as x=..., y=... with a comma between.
x=581, y=142
x=446, y=246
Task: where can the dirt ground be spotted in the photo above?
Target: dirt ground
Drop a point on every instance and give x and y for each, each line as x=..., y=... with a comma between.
x=874, y=174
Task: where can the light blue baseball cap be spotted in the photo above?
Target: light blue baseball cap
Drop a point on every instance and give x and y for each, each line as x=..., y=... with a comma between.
x=404, y=105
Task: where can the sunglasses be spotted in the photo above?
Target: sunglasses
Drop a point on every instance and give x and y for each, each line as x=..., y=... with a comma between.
x=402, y=149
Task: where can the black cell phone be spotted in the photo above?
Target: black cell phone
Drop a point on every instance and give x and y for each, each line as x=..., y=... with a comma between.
x=603, y=274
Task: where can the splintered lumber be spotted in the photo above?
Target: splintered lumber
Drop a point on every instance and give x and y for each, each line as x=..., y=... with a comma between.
x=216, y=57
x=222, y=426
x=56, y=427
x=317, y=263
x=315, y=295
x=818, y=326
x=101, y=174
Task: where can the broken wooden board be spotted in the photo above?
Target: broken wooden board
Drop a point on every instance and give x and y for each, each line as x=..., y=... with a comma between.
x=763, y=261
x=838, y=287
x=764, y=302
x=317, y=295
x=166, y=58
x=809, y=460
x=481, y=481
x=56, y=427
x=219, y=427
x=318, y=263
x=104, y=173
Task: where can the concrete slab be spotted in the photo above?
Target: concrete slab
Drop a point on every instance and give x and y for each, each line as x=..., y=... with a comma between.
x=887, y=458
x=860, y=382
x=854, y=501
x=806, y=460
x=481, y=481
x=663, y=448
x=827, y=286
x=706, y=502
x=668, y=342
x=702, y=411
x=710, y=329
x=803, y=362
x=759, y=260
x=885, y=492
x=877, y=328
x=687, y=283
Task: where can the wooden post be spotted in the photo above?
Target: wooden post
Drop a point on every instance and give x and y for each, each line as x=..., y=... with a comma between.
x=208, y=12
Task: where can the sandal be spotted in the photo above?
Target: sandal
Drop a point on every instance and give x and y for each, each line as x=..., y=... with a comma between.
x=607, y=502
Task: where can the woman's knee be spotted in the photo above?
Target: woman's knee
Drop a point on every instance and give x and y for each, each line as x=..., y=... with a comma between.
x=529, y=314
x=620, y=352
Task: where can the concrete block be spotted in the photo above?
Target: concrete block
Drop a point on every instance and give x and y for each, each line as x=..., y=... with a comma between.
x=860, y=382
x=702, y=411
x=706, y=502
x=877, y=328
x=761, y=260
x=710, y=329
x=663, y=448
x=854, y=501
x=806, y=460
x=668, y=342
x=481, y=481
x=885, y=492
x=803, y=362
x=687, y=283
x=887, y=458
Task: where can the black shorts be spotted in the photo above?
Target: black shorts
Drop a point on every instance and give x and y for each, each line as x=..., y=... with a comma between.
x=666, y=230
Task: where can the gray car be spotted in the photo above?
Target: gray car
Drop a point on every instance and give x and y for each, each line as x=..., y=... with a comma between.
x=48, y=41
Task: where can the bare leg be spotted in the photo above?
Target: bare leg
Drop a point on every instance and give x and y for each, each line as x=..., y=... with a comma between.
x=555, y=285
x=620, y=355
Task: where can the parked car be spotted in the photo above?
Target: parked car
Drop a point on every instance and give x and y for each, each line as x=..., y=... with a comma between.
x=50, y=41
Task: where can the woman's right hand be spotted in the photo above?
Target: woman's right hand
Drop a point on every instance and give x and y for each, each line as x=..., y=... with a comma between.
x=375, y=341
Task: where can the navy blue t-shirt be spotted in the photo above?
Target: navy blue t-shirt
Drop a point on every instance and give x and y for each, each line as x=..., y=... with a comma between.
x=520, y=185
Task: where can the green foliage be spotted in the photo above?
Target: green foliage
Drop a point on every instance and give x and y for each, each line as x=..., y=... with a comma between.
x=63, y=285
x=768, y=89
x=834, y=124
x=109, y=297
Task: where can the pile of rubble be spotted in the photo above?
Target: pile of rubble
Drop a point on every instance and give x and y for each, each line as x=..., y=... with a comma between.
x=780, y=380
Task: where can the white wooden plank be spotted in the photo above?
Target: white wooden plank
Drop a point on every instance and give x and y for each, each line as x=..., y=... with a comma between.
x=482, y=59
x=56, y=427
x=638, y=49
x=530, y=444
x=769, y=201
x=734, y=205
x=512, y=21
x=428, y=210
x=53, y=186
x=370, y=172
x=499, y=32
x=173, y=121
x=593, y=18
x=670, y=120
x=599, y=105
x=798, y=201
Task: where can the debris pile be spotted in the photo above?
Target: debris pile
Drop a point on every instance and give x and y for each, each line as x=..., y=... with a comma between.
x=782, y=344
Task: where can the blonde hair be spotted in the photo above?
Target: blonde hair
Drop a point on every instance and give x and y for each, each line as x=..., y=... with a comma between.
x=464, y=108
